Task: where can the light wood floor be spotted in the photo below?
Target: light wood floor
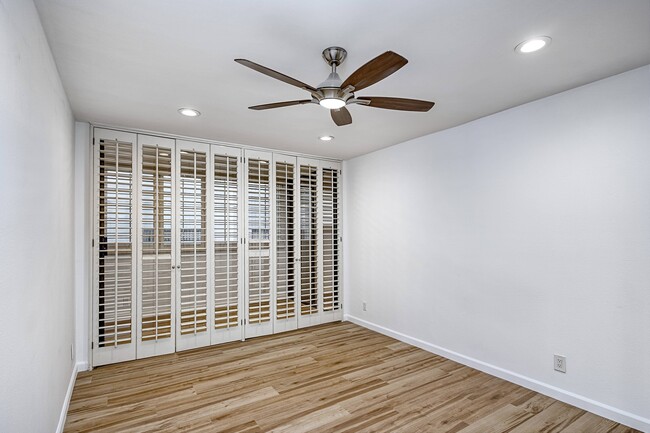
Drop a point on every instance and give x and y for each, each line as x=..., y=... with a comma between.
x=332, y=378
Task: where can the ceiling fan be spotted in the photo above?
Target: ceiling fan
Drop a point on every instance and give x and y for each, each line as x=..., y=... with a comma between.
x=335, y=94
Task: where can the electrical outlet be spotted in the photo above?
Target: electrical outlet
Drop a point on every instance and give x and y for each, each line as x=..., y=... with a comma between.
x=365, y=307
x=559, y=363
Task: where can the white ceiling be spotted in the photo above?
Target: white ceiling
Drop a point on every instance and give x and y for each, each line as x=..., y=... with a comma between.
x=134, y=63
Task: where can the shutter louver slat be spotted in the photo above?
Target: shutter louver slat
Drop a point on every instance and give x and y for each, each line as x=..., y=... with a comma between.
x=115, y=249
x=226, y=242
x=285, y=240
x=193, y=245
x=259, y=224
x=308, y=240
x=330, y=260
x=156, y=241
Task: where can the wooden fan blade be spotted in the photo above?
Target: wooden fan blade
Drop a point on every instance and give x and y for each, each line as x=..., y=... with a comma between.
x=375, y=70
x=397, y=103
x=280, y=104
x=341, y=116
x=275, y=74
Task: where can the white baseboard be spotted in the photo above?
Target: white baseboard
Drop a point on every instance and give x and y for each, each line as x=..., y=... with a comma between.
x=604, y=410
x=68, y=396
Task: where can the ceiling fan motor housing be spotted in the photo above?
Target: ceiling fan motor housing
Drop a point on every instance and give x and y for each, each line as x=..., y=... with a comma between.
x=331, y=87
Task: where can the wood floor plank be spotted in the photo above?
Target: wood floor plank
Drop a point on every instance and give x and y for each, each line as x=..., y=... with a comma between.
x=334, y=378
x=554, y=418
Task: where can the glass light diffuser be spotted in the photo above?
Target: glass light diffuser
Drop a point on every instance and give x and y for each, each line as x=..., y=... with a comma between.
x=332, y=103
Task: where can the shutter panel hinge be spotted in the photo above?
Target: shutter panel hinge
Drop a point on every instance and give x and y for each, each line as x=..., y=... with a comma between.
x=93, y=243
x=92, y=345
x=93, y=141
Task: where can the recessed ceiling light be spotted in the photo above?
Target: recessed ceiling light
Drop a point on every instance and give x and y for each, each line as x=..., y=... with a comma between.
x=189, y=112
x=326, y=138
x=533, y=44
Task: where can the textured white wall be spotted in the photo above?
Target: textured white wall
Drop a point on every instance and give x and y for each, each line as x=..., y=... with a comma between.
x=36, y=226
x=517, y=236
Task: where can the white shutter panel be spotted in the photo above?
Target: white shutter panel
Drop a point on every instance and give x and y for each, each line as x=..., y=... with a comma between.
x=331, y=260
x=258, y=201
x=114, y=255
x=309, y=243
x=156, y=288
x=193, y=303
x=286, y=244
x=226, y=240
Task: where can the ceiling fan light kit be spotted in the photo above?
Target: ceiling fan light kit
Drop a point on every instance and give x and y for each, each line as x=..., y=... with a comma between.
x=334, y=93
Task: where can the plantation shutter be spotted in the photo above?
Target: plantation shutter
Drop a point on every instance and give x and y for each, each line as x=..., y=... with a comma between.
x=197, y=244
x=156, y=288
x=226, y=240
x=331, y=266
x=258, y=296
x=114, y=252
x=286, y=244
x=193, y=320
x=309, y=261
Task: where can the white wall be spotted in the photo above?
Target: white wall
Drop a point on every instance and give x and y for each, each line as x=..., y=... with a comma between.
x=514, y=237
x=36, y=226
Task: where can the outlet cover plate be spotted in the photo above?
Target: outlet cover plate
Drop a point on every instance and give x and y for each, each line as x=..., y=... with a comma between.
x=559, y=363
